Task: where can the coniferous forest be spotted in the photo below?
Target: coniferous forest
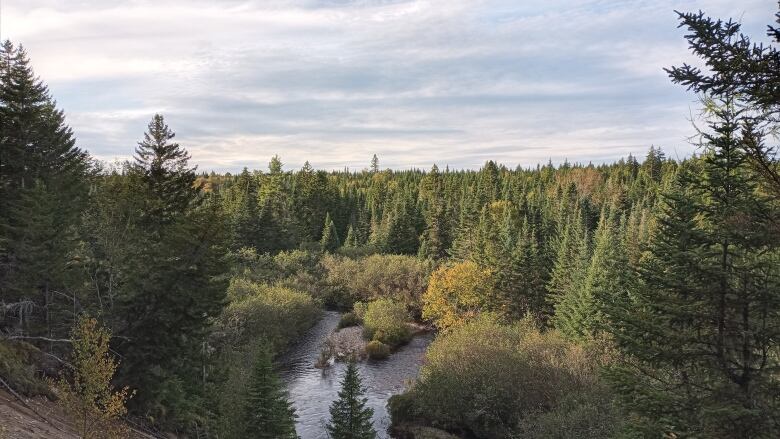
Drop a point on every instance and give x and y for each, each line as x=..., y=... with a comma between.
x=638, y=298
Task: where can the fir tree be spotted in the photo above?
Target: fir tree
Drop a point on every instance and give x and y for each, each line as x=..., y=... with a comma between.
x=269, y=414
x=350, y=418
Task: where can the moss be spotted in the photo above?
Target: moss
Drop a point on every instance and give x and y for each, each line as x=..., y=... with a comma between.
x=19, y=368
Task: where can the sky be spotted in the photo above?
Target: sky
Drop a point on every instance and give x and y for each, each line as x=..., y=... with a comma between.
x=454, y=82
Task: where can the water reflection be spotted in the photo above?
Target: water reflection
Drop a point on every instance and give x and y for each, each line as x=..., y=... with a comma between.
x=312, y=390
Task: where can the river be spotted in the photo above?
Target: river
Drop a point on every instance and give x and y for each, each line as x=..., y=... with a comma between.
x=312, y=390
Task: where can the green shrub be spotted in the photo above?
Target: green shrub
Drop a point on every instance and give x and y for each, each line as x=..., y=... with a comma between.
x=277, y=313
x=377, y=350
x=359, y=308
x=385, y=320
x=397, y=277
x=349, y=319
x=494, y=381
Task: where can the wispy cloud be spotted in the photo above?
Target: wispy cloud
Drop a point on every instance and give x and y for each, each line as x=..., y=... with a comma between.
x=416, y=82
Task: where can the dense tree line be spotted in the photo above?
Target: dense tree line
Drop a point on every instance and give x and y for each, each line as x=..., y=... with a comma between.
x=663, y=273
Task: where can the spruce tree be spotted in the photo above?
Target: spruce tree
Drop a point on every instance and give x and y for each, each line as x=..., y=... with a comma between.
x=350, y=418
x=351, y=240
x=700, y=335
x=164, y=165
x=745, y=69
x=44, y=181
x=330, y=238
x=374, y=164
x=173, y=282
x=269, y=414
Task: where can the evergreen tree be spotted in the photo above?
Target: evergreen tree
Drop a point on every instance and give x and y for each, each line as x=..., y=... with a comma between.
x=164, y=166
x=435, y=237
x=400, y=228
x=350, y=241
x=172, y=284
x=245, y=218
x=311, y=202
x=374, y=164
x=276, y=229
x=330, y=238
x=746, y=70
x=706, y=319
x=269, y=414
x=350, y=418
x=567, y=281
x=43, y=189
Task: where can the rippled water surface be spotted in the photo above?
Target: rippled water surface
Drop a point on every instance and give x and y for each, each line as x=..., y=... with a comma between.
x=312, y=390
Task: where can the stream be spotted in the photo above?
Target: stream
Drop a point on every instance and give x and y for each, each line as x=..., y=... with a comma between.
x=312, y=390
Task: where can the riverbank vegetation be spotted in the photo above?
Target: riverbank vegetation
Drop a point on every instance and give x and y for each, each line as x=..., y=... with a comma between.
x=639, y=298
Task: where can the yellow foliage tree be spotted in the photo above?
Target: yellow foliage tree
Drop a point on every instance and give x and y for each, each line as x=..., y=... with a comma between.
x=88, y=398
x=457, y=293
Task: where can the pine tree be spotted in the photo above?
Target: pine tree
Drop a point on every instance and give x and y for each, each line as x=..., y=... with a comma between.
x=330, y=238
x=350, y=418
x=269, y=414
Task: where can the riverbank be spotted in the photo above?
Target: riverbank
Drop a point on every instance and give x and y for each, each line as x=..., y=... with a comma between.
x=312, y=389
x=350, y=343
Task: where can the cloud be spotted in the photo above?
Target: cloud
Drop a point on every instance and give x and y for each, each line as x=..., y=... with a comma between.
x=333, y=82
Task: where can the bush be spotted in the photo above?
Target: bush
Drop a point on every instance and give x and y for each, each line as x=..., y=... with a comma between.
x=457, y=293
x=359, y=308
x=397, y=277
x=385, y=321
x=349, y=319
x=279, y=314
x=377, y=350
x=493, y=380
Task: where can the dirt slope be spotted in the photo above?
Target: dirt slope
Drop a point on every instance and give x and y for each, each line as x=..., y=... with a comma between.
x=20, y=422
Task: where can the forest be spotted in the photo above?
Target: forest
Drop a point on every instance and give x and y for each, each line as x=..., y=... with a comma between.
x=638, y=298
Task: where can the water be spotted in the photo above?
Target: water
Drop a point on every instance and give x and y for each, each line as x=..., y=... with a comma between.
x=312, y=390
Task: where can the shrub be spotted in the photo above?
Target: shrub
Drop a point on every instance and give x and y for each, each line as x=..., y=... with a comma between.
x=89, y=398
x=397, y=277
x=377, y=350
x=490, y=379
x=349, y=319
x=385, y=320
x=359, y=308
x=457, y=293
x=277, y=313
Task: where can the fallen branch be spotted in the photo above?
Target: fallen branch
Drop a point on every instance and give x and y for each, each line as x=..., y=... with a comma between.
x=29, y=337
